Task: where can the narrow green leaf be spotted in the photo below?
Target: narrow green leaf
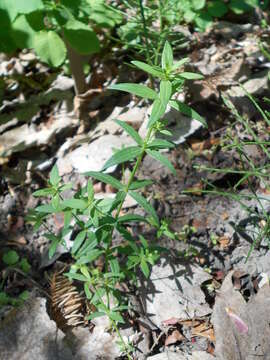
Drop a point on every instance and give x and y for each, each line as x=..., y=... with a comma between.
x=67, y=218
x=115, y=267
x=79, y=239
x=123, y=155
x=145, y=204
x=93, y=255
x=167, y=57
x=179, y=63
x=107, y=179
x=55, y=201
x=116, y=316
x=95, y=315
x=54, y=176
x=161, y=144
x=149, y=69
x=75, y=276
x=165, y=91
x=131, y=218
x=136, y=89
x=162, y=159
x=187, y=110
x=191, y=76
x=138, y=184
x=44, y=192
x=129, y=129
x=145, y=268
x=158, y=111
x=87, y=292
x=48, y=208
x=90, y=191
x=75, y=204
x=53, y=247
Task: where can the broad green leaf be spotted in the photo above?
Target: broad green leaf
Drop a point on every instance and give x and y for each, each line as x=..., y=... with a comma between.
x=136, y=89
x=131, y=218
x=24, y=265
x=239, y=6
x=79, y=239
x=190, y=76
x=22, y=33
x=198, y=4
x=179, y=63
x=74, y=204
x=10, y=258
x=203, y=21
x=43, y=192
x=107, y=179
x=161, y=158
x=160, y=144
x=149, y=69
x=123, y=155
x=189, y=16
x=132, y=132
x=50, y=47
x=16, y=7
x=81, y=37
x=167, y=57
x=188, y=111
x=54, y=176
x=158, y=111
x=93, y=255
x=165, y=91
x=138, y=184
x=217, y=8
x=145, y=204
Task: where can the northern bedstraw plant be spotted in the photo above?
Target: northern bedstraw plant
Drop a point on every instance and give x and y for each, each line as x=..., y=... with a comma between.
x=97, y=220
x=251, y=173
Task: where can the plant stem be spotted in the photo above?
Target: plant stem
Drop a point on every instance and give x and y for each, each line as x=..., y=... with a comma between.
x=136, y=166
x=146, y=37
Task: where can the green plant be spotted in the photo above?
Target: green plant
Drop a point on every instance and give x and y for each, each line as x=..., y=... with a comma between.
x=250, y=173
x=201, y=13
x=13, y=262
x=55, y=30
x=147, y=27
x=97, y=221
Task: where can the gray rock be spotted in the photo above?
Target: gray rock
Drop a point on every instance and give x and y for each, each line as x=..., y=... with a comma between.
x=92, y=157
x=169, y=355
x=28, y=333
x=174, y=291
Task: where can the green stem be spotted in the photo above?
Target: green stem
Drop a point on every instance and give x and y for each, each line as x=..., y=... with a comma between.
x=146, y=37
x=136, y=166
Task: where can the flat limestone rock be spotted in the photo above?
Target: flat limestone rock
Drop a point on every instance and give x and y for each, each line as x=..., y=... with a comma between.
x=28, y=333
x=173, y=290
x=92, y=157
